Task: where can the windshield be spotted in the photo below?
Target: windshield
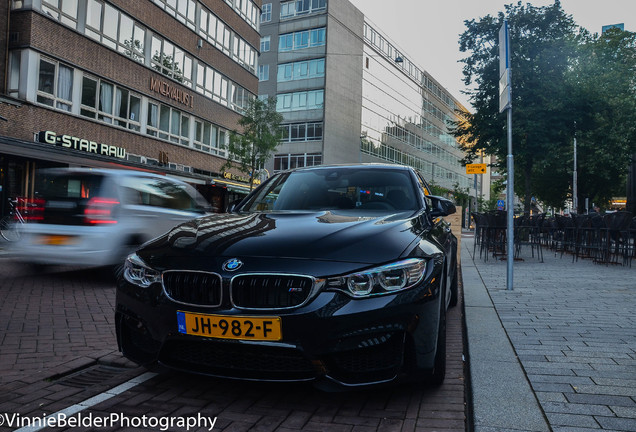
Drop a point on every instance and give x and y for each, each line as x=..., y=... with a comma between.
x=336, y=188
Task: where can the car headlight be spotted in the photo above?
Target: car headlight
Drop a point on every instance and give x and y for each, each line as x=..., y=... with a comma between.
x=138, y=273
x=386, y=279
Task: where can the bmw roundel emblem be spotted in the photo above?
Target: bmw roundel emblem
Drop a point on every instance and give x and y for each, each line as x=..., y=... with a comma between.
x=232, y=264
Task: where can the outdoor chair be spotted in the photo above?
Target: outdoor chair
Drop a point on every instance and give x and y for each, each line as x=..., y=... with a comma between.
x=527, y=232
x=615, y=238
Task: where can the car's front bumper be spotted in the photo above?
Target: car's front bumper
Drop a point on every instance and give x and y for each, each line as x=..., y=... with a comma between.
x=333, y=337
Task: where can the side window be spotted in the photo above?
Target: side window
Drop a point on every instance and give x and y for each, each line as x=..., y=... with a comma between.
x=175, y=196
x=158, y=192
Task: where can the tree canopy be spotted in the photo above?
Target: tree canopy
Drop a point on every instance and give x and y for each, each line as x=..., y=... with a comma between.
x=565, y=83
x=248, y=151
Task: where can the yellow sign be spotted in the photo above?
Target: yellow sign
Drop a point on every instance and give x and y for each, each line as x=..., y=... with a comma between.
x=476, y=168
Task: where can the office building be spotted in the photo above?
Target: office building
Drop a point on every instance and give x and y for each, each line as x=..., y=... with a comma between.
x=145, y=84
x=349, y=94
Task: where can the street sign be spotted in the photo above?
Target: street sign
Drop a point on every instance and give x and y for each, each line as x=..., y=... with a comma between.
x=500, y=204
x=504, y=68
x=476, y=168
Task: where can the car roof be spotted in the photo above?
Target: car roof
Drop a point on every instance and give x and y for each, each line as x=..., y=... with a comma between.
x=106, y=172
x=355, y=165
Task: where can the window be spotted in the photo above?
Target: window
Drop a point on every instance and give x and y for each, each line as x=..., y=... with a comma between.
x=171, y=61
x=183, y=10
x=14, y=73
x=206, y=138
x=265, y=43
x=296, y=132
x=301, y=70
x=300, y=101
x=213, y=85
x=263, y=72
x=266, y=15
x=301, y=7
x=55, y=85
x=110, y=103
x=240, y=98
x=301, y=39
x=64, y=11
x=286, y=42
x=168, y=123
x=116, y=30
x=287, y=9
x=288, y=161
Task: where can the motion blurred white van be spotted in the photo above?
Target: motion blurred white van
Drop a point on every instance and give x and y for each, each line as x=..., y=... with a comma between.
x=95, y=217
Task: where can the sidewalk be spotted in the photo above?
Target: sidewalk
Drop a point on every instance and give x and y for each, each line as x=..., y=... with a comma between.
x=558, y=352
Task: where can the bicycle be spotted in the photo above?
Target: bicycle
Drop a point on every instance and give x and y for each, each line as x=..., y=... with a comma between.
x=11, y=224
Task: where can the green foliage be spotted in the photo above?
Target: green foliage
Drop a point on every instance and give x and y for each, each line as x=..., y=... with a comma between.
x=496, y=188
x=134, y=49
x=565, y=83
x=543, y=41
x=460, y=195
x=167, y=65
x=248, y=151
x=603, y=79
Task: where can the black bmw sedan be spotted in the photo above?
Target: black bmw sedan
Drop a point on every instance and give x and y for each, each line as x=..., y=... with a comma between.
x=339, y=275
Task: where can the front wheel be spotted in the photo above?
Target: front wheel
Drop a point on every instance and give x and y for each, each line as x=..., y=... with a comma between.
x=9, y=230
x=454, y=290
x=438, y=373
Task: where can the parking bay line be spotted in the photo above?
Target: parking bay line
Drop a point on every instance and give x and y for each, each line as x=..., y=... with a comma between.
x=92, y=401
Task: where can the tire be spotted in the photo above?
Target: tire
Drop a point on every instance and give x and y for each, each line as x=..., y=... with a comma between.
x=437, y=375
x=9, y=230
x=454, y=290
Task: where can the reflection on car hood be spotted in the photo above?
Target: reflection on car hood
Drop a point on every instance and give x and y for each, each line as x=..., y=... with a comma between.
x=327, y=235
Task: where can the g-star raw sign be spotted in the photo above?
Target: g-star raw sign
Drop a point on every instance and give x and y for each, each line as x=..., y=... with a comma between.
x=81, y=144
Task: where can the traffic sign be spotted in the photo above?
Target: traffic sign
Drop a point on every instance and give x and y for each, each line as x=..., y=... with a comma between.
x=476, y=168
x=500, y=204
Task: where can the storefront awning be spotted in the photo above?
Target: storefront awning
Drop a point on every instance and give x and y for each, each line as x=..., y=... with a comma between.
x=232, y=185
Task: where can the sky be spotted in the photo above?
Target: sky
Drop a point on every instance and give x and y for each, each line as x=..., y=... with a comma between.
x=427, y=31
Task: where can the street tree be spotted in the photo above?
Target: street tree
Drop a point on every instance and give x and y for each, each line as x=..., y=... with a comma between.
x=543, y=41
x=603, y=84
x=248, y=151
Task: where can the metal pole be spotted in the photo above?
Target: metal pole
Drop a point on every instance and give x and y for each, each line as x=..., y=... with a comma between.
x=575, y=192
x=510, y=194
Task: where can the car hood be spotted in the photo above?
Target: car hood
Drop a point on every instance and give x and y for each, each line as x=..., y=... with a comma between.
x=327, y=235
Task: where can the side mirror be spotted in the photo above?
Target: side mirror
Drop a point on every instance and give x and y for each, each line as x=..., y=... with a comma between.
x=441, y=206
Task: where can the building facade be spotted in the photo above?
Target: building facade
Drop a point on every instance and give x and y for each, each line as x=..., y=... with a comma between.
x=147, y=84
x=349, y=94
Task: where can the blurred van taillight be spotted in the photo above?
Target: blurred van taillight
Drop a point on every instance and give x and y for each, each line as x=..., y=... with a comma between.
x=32, y=210
x=100, y=211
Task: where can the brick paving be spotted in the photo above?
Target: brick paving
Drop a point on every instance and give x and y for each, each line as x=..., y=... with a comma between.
x=56, y=322
x=573, y=328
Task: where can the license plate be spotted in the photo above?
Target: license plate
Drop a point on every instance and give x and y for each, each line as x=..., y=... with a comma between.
x=230, y=327
x=56, y=240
